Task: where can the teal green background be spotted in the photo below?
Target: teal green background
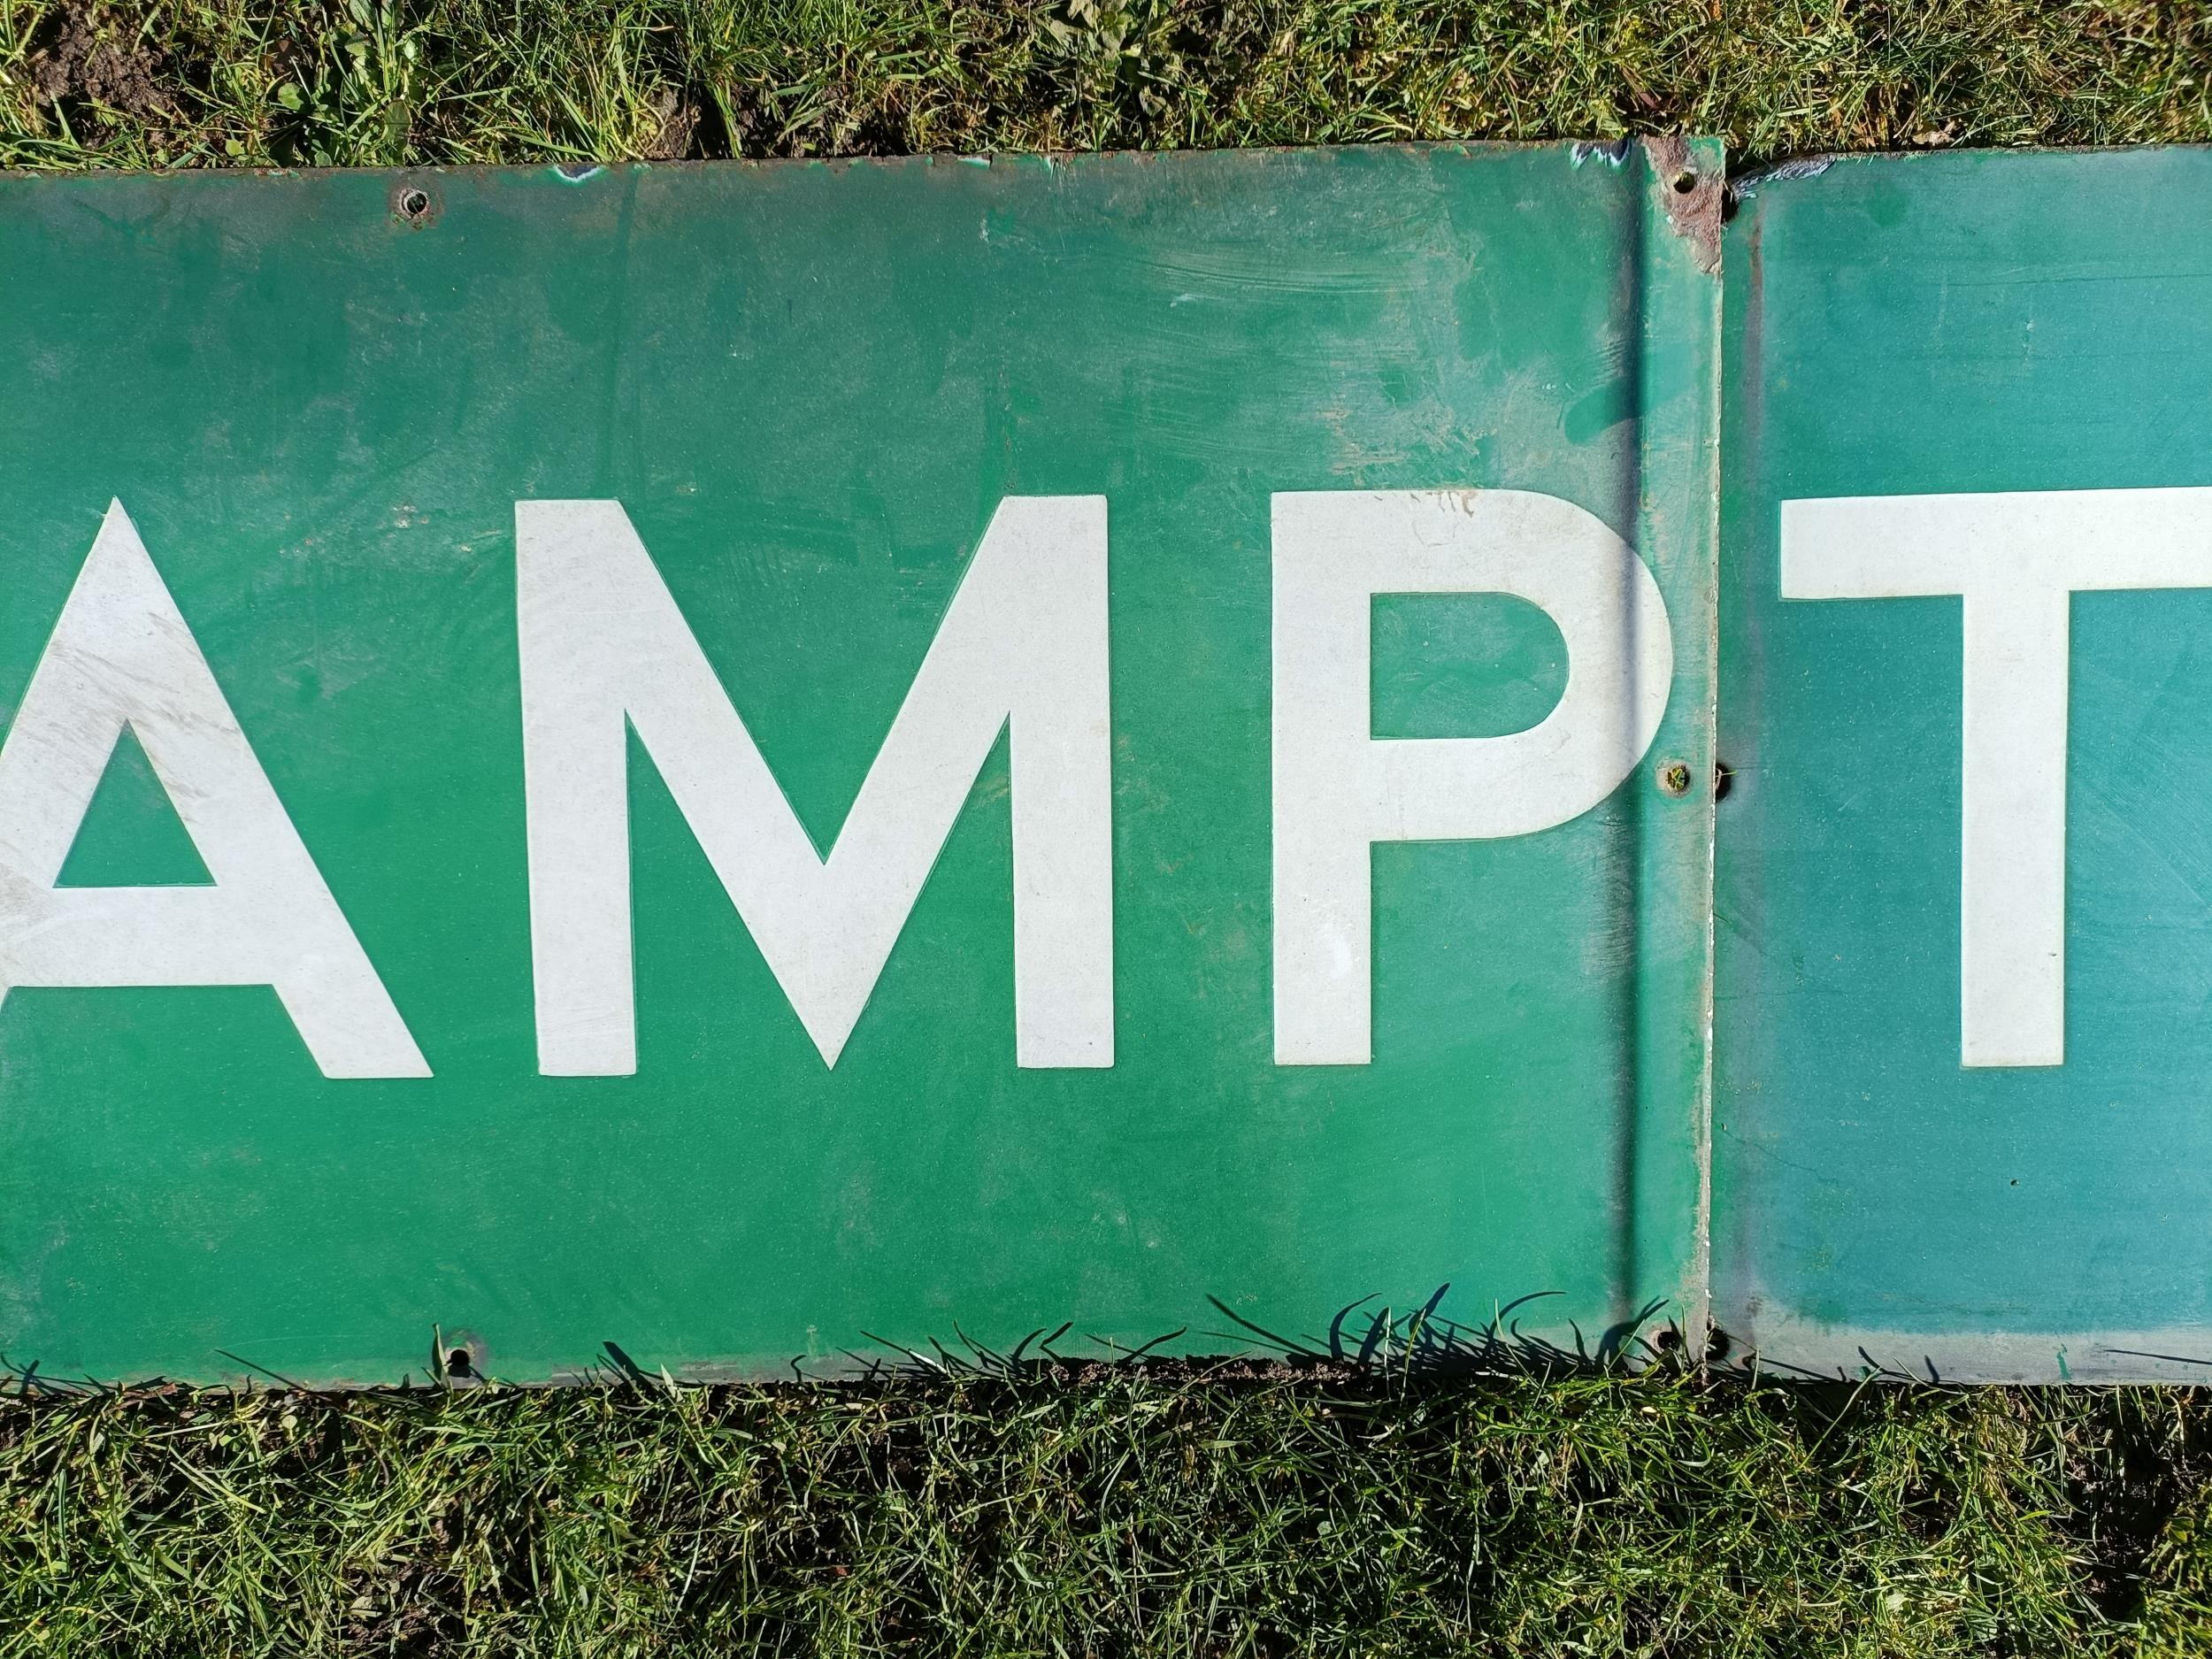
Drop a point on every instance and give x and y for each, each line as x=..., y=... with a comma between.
x=1961, y=323
x=809, y=384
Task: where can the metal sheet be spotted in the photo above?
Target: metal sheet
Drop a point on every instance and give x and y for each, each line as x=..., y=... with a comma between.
x=1963, y=1118
x=807, y=394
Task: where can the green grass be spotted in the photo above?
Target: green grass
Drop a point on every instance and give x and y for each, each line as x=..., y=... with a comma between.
x=374, y=82
x=1116, y=1513
x=1132, y=1511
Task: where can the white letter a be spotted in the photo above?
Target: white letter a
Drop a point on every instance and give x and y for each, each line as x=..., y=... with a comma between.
x=122, y=657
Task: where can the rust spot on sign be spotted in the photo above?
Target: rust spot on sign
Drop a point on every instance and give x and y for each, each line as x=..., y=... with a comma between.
x=1692, y=195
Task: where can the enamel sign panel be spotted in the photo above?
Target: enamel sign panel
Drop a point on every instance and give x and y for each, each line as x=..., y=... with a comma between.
x=766, y=765
x=1963, y=1121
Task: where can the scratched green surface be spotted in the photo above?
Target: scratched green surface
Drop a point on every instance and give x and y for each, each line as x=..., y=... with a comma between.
x=809, y=384
x=1909, y=325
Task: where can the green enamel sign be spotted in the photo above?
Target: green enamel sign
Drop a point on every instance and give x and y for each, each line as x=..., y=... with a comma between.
x=766, y=764
x=1963, y=1119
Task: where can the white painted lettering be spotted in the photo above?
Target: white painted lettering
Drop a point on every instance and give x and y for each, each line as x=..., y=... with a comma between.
x=1023, y=645
x=2016, y=559
x=121, y=655
x=1338, y=789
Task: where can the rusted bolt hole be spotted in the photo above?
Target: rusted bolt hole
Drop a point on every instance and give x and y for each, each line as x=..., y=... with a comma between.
x=1674, y=777
x=458, y=1364
x=1684, y=181
x=413, y=204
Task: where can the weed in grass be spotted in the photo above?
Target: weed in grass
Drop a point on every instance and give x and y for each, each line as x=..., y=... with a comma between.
x=1128, y=1510
x=138, y=83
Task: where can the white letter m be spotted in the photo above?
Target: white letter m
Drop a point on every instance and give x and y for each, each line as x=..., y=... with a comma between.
x=1022, y=646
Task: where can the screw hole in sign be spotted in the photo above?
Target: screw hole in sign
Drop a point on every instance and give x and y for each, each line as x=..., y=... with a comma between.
x=1684, y=182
